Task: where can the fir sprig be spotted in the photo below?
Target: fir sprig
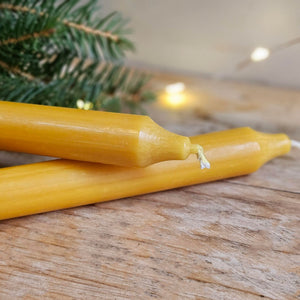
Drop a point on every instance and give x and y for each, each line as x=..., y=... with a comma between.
x=55, y=54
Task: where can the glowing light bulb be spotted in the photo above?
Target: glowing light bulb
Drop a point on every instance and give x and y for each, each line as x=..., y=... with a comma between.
x=80, y=104
x=260, y=53
x=175, y=95
x=88, y=105
x=175, y=100
x=84, y=105
x=177, y=87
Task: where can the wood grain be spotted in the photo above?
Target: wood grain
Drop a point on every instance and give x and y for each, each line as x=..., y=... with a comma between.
x=232, y=239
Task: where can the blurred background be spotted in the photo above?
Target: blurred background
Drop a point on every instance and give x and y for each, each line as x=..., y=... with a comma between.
x=216, y=38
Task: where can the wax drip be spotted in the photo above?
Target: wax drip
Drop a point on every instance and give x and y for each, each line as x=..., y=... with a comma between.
x=295, y=144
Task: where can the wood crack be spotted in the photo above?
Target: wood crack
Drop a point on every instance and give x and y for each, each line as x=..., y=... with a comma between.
x=261, y=187
x=229, y=287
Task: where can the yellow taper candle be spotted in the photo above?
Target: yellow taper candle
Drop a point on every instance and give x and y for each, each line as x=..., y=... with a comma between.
x=110, y=138
x=59, y=184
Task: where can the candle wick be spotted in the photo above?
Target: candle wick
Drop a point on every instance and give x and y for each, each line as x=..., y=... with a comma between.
x=203, y=160
x=295, y=144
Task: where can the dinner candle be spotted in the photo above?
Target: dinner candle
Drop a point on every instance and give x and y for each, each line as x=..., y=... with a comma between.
x=95, y=136
x=60, y=184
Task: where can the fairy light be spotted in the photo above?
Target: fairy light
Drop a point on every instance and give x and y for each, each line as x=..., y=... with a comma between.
x=86, y=105
x=175, y=95
x=80, y=104
x=259, y=54
x=177, y=87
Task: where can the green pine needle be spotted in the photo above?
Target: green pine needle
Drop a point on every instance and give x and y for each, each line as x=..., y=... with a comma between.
x=55, y=54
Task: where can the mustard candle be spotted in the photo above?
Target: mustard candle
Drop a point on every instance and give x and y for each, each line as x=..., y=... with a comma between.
x=95, y=136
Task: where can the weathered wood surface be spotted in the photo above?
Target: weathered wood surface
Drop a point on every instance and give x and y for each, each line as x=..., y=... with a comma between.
x=233, y=239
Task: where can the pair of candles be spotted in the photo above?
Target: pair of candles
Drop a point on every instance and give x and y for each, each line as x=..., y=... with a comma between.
x=112, y=156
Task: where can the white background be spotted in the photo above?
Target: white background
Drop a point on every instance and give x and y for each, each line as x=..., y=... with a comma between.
x=211, y=36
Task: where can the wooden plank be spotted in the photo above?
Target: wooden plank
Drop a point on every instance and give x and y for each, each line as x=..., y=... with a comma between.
x=217, y=240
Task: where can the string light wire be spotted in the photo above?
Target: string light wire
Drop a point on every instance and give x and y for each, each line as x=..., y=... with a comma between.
x=295, y=144
x=246, y=62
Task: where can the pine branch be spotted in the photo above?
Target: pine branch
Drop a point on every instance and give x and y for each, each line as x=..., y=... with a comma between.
x=35, y=35
x=56, y=54
x=90, y=30
x=15, y=70
x=110, y=88
x=17, y=8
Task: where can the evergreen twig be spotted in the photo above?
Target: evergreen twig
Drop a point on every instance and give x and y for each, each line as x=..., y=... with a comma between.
x=55, y=54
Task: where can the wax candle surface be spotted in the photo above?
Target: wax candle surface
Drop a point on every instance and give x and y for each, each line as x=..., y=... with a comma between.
x=58, y=184
x=110, y=138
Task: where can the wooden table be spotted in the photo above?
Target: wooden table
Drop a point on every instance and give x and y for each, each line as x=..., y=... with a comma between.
x=232, y=239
